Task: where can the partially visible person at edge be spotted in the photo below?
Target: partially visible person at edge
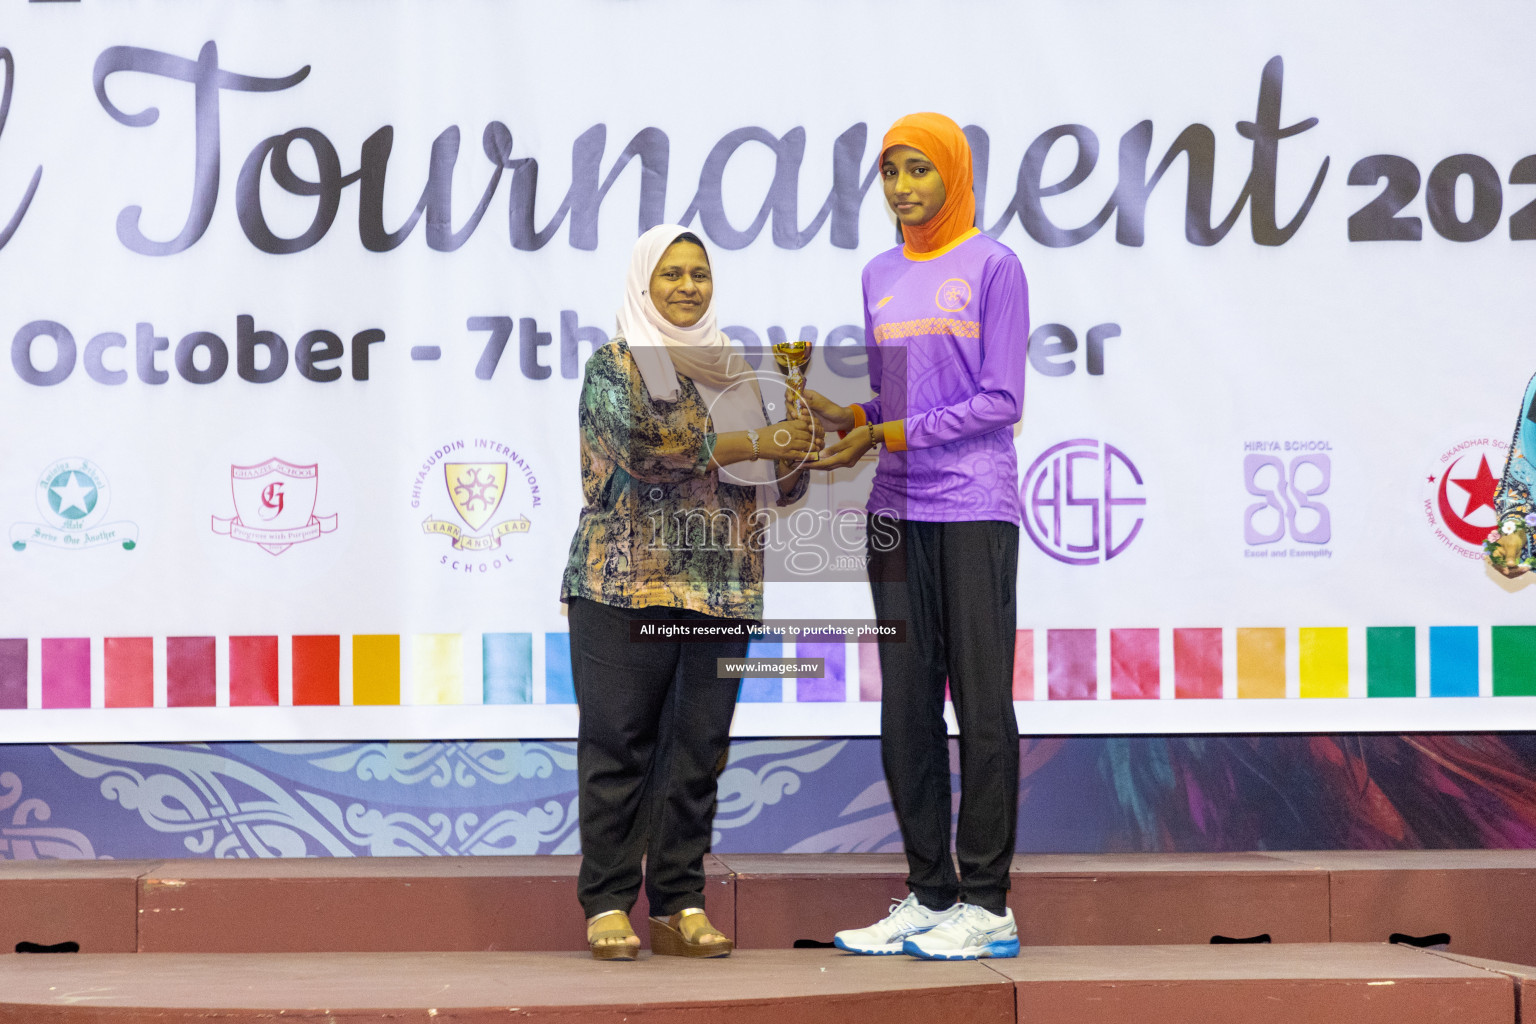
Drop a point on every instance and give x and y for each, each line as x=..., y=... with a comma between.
x=676, y=457
x=946, y=327
x=1510, y=549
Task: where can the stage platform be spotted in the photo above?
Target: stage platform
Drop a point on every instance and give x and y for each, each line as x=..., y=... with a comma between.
x=1273, y=984
x=1482, y=900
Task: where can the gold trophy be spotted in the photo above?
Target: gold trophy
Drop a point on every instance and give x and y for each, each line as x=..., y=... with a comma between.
x=792, y=358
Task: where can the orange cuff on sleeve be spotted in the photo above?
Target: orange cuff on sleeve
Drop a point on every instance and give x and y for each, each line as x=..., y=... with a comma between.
x=859, y=419
x=896, y=435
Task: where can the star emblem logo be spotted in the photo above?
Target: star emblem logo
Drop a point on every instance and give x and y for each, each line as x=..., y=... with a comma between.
x=1480, y=488
x=72, y=494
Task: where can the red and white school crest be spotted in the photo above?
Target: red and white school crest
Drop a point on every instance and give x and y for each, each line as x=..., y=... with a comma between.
x=275, y=505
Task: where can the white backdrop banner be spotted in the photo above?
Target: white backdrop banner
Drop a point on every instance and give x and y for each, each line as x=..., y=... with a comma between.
x=297, y=298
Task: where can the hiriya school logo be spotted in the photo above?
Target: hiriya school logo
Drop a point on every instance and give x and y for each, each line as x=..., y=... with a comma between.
x=275, y=506
x=1083, y=501
x=477, y=494
x=1460, y=488
x=1288, y=477
x=73, y=496
x=953, y=295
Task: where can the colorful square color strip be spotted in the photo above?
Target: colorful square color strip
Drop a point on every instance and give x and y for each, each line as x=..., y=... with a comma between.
x=128, y=670
x=1024, y=664
x=66, y=672
x=869, y=671
x=762, y=689
x=252, y=671
x=829, y=686
x=375, y=669
x=13, y=674
x=1197, y=663
x=316, y=671
x=1390, y=661
x=1072, y=664
x=437, y=668
x=559, y=686
x=1453, y=661
x=1324, y=661
x=1261, y=663
x=507, y=668
x=191, y=664
x=1514, y=661
x=1135, y=672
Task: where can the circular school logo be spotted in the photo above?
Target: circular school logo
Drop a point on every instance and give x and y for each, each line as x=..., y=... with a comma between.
x=477, y=495
x=73, y=496
x=953, y=295
x=1084, y=501
x=1460, y=487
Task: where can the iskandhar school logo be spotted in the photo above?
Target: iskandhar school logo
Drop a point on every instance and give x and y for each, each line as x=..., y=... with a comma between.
x=1460, y=491
x=73, y=496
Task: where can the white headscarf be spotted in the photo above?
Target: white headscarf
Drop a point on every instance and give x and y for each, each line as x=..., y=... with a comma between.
x=703, y=353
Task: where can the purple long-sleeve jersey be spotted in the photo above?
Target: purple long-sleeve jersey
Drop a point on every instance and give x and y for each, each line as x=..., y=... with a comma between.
x=947, y=337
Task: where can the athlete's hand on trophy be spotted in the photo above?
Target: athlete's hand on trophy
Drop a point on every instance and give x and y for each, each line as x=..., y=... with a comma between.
x=828, y=413
x=799, y=411
x=791, y=440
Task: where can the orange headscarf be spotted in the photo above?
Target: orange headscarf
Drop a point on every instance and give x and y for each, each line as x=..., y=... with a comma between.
x=940, y=140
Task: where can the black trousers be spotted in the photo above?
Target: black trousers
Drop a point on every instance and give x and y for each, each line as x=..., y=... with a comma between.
x=953, y=585
x=655, y=726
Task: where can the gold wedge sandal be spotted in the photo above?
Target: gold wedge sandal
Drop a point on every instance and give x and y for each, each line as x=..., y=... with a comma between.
x=610, y=937
x=688, y=933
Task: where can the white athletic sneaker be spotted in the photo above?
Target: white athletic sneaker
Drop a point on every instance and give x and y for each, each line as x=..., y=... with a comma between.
x=970, y=934
x=884, y=938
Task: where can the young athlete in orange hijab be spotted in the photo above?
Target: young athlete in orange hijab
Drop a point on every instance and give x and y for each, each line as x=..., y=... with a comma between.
x=946, y=326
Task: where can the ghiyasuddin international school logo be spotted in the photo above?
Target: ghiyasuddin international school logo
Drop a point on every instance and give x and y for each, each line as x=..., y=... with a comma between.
x=274, y=506
x=477, y=494
x=1083, y=501
x=1459, y=499
x=73, y=496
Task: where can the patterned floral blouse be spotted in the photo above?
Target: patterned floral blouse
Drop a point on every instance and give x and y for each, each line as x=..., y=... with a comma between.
x=658, y=527
x=1513, y=499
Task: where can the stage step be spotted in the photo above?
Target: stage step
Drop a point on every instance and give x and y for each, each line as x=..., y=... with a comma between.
x=782, y=899
x=759, y=987
x=1482, y=900
x=1129, y=899
x=380, y=905
x=1258, y=984
x=1058, y=899
x=1361, y=984
x=93, y=903
x=1524, y=979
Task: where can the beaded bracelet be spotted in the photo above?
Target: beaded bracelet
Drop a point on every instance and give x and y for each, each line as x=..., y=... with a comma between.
x=872, y=442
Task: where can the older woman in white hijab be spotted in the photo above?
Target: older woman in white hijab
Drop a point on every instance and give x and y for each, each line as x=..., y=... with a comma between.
x=677, y=461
